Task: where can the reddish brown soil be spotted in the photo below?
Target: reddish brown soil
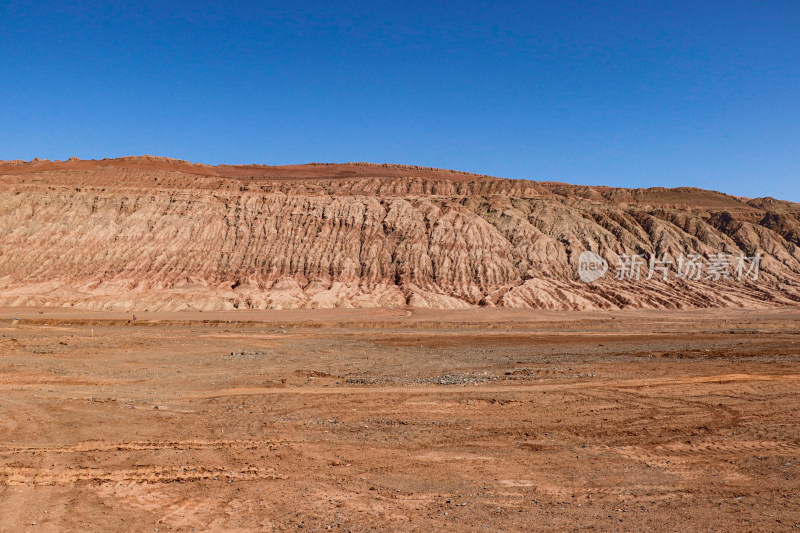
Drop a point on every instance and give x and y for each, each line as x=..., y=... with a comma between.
x=479, y=420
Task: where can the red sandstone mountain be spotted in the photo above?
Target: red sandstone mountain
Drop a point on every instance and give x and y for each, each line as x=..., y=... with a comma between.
x=153, y=233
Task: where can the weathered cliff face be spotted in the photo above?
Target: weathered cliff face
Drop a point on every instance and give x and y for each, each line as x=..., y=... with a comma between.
x=157, y=234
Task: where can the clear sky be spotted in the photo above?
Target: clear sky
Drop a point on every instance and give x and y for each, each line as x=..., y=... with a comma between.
x=620, y=93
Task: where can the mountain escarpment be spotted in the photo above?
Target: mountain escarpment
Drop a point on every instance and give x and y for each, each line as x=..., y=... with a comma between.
x=147, y=233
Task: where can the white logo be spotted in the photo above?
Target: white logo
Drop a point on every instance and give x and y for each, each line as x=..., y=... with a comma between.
x=591, y=267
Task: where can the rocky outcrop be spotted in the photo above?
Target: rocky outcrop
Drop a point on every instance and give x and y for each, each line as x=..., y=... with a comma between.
x=159, y=234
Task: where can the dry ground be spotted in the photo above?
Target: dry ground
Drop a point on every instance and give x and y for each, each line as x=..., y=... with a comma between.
x=400, y=420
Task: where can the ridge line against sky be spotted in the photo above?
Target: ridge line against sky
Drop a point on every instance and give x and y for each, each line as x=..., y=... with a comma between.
x=360, y=163
x=627, y=94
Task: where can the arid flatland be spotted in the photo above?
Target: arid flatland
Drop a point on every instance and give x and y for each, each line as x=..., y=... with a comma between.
x=405, y=420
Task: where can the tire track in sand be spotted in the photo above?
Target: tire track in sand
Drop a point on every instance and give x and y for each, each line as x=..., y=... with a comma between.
x=105, y=446
x=149, y=474
x=16, y=472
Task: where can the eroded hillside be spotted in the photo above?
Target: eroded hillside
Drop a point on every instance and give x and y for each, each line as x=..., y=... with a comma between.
x=158, y=234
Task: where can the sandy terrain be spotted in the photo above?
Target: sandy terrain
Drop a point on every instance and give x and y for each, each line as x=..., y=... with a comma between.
x=381, y=420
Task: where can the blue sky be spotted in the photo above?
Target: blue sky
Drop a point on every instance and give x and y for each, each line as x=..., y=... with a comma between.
x=626, y=93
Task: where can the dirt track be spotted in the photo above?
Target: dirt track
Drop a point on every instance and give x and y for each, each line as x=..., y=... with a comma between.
x=361, y=421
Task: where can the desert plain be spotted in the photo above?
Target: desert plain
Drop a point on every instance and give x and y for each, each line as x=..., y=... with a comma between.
x=400, y=420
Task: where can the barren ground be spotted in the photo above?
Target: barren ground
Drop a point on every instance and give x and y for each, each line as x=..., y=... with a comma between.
x=380, y=420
